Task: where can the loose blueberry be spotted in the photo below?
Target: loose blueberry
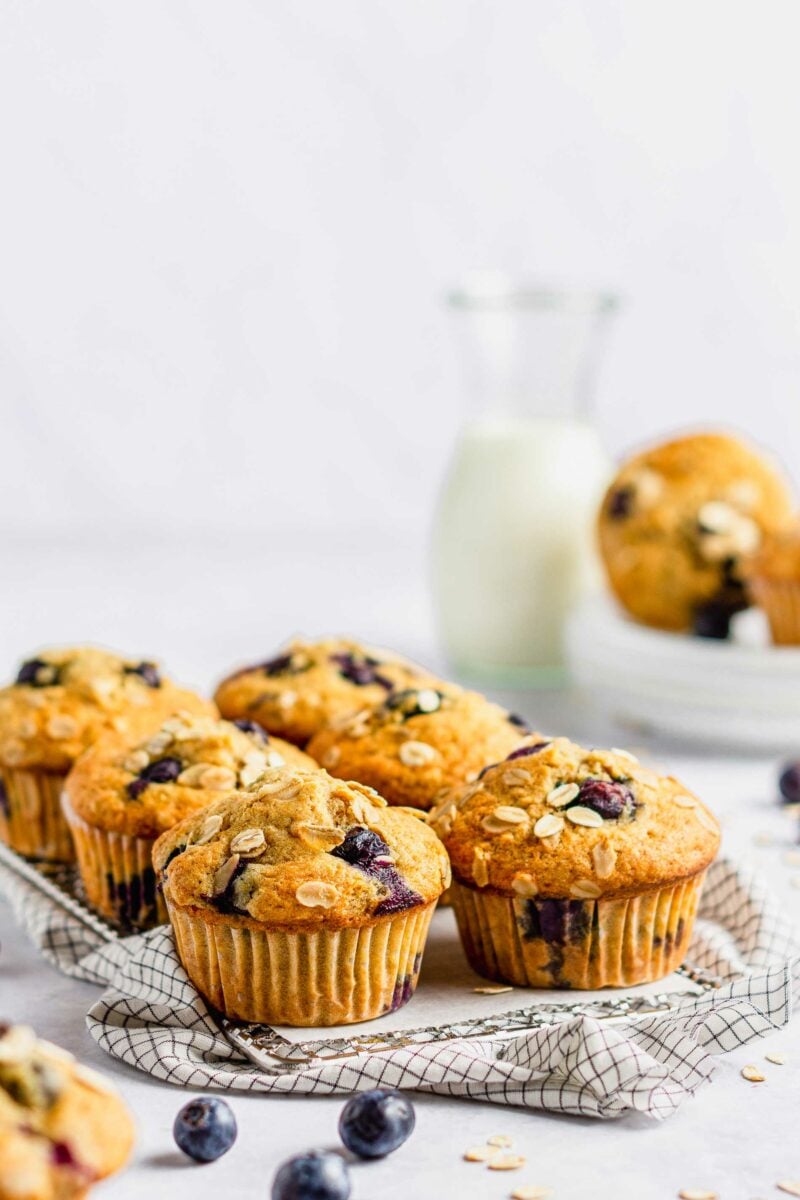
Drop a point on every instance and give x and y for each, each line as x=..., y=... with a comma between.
x=163, y=770
x=318, y=1175
x=205, y=1128
x=252, y=727
x=620, y=503
x=375, y=1123
x=148, y=672
x=610, y=800
x=789, y=783
x=5, y=807
x=360, y=670
x=29, y=673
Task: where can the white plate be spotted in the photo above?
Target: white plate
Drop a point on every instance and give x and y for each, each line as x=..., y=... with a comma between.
x=743, y=693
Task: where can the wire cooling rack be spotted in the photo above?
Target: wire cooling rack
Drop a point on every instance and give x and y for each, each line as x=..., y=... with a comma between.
x=275, y=1053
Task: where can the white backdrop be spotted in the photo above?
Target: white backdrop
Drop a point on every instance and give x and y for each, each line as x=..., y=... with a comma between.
x=225, y=231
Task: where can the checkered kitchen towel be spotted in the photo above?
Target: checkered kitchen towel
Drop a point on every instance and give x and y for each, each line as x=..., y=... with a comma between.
x=151, y=1017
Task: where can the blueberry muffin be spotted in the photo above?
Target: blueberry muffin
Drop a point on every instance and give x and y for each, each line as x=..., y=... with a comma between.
x=121, y=795
x=59, y=704
x=62, y=1126
x=575, y=868
x=310, y=684
x=678, y=525
x=304, y=901
x=419, y=743
x=773, y=577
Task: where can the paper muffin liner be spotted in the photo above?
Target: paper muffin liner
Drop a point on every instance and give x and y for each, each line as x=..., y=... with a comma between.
x=582, y=944
x=316, y=978
x=780, y=600
x=117, y=873
x=31, y=821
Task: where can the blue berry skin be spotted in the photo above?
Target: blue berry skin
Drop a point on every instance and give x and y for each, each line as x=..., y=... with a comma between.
x=373, y=1124
x=790, y=783
x=205, y=1128
x=318, y=1175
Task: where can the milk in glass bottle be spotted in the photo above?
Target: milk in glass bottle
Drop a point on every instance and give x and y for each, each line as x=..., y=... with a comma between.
x=513, y=544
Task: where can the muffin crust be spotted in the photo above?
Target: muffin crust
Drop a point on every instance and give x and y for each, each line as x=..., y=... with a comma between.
x=310, y=683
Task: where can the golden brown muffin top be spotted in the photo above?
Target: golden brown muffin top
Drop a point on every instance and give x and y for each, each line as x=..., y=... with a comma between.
x=145, y=786
x=62, y=1125
x=557, y=821
x=779, y=557
x=418, y=743
x=299, y=850
x=62, y=700
x=680, y=520
x=310, y=683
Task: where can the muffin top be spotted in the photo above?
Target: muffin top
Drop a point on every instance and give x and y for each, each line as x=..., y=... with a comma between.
x=557, y=821
x=62, y=1126
x=311, y=683
x=419, y=742
x=779, y=557
x=299, y=850
x=145, y=786
x=62, y=700
x=679, y=522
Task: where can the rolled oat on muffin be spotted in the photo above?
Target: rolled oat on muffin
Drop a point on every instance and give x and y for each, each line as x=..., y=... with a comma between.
x=310, y=683
x=59, y=704
x=121, y=795
x=419, y=743
x=575, y=868
x=304, y=901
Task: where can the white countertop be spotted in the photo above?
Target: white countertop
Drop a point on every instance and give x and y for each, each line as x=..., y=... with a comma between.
x=734, y=1138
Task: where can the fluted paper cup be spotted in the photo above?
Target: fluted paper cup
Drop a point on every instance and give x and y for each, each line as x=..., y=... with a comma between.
x=117, y=873
x=780, y=600
x=582, y=944
x=305, y=978
x=31, y=821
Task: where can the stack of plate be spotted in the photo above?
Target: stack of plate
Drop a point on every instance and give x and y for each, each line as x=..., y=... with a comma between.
x=743, y=693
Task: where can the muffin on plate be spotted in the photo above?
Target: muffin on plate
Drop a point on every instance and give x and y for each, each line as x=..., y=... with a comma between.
x=59, y=704
x=122, y=794
x=575, y=868
x=419, y=743
x=62, y=1125
x=311, y=683
x=678, y=525
x=773, y=577
x=305, y=901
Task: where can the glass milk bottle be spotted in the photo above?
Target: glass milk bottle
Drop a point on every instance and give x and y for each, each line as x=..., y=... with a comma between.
x=513, y=540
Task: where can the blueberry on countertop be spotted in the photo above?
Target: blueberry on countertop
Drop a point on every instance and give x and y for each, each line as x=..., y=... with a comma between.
x=205, y=1128
x=375, y=1123
x=318, y=1175
x=789, y=783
